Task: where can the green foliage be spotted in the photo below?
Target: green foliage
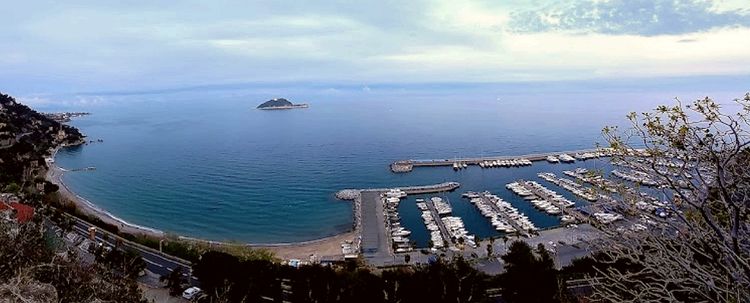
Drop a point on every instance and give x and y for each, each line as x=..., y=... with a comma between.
x=452, y=281
x=175, y=281
x=27, y=259
x=12, y=188
x=528, y=278
x=125, y=261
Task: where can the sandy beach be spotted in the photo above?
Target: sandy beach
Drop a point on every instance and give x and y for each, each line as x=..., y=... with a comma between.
x=326, y=248
x=329, y=247
x=54, y=175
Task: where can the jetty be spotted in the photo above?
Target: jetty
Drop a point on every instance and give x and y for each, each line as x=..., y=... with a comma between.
x=405, y=166
x=504, y=214
x=90, y=168
x=351, y=194
x=370, y=217
x=439, y=222
x=543, y=195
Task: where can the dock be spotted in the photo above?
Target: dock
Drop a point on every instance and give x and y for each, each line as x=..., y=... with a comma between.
x=405, y=166
x=369, y=217
x=505, y=216
x=375, y=243
x=351, y=194
x=565, y=210
x=441, y=226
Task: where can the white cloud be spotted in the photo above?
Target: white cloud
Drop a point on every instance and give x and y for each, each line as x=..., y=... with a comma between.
x=97, y=47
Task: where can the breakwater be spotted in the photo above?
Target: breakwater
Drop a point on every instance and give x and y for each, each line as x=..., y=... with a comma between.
x=352, y=194
x=404, y=166
x=369, y=216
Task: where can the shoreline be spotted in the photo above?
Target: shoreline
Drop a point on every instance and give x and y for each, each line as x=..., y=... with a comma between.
x=329, y=246
x=54, y=175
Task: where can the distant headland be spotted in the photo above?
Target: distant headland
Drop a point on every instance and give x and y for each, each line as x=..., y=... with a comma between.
x=280, y=103
x=65, y=117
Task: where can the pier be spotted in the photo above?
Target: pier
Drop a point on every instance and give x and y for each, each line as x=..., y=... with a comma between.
x=351, y=194
x=375, y=242
x=439, y=222
x=405, y=166
x=565, y=211
x=505, y=216
x=369, y=217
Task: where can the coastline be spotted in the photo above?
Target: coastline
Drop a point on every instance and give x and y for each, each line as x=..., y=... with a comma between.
x=54, y=175
x=328, y=247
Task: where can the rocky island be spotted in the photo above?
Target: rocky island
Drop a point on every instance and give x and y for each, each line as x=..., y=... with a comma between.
x=280, y=103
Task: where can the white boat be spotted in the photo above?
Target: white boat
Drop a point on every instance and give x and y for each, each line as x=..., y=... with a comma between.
x=401, y=233
x=566, y=158
x=552, y=159
x=567, y=219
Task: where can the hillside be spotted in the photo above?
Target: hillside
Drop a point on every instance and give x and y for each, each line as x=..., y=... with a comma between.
x=26, y=137
x=280, y=103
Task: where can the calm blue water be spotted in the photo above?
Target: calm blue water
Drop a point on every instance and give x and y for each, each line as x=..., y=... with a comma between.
x=216, y=168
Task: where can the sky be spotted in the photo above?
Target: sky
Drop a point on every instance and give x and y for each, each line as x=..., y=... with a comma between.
x=100, y=48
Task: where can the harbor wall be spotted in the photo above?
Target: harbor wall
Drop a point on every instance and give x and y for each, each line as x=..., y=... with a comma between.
x=404, y=166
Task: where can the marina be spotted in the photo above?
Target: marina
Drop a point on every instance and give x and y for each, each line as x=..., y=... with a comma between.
x=351, y=194
x=571, y=186
x=583, y=175
x=400, y=242
x=635, y=177
x=378, y=222
x=404, y=166
x=502, y=215
x=439, y=235
x=547, y=200
x=647, y=202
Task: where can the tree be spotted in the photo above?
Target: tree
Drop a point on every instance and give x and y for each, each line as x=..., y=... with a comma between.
x=175, y=281
x=546, y=274
x=528, y=278
x=700, y=156
x=12, y=188
x=30, y=270
x=127, y=262
x=214, y=269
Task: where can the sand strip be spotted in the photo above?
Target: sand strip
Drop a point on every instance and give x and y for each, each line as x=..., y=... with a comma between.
x=329, y=247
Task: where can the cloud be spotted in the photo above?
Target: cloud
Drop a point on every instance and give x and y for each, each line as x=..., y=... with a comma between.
x=55, y=103
x=687, y=40
x=634, y=17
x=147, y=46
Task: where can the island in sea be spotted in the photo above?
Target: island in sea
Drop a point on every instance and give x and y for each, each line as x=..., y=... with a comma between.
x=280, y=103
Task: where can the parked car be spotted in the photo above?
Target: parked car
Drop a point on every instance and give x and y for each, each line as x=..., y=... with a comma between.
x=191, y=293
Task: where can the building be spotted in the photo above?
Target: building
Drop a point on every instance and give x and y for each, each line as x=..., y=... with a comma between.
x=18, y=212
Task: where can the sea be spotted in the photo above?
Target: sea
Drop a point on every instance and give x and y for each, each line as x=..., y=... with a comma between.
x=207, y=164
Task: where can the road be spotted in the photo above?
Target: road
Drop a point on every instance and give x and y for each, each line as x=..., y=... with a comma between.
x=375, y=242
x=156, y=262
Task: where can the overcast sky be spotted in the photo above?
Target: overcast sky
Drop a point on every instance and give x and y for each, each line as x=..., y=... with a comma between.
x=97, y=46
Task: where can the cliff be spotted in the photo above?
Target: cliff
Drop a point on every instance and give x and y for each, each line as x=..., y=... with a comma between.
x=26, y=137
